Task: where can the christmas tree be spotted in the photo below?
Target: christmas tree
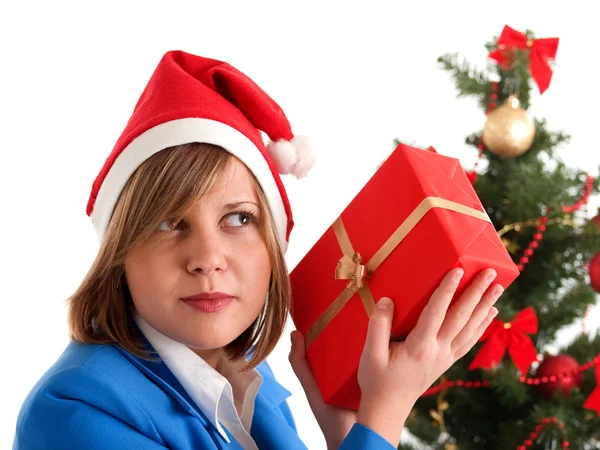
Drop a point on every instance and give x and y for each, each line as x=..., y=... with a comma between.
x=509, y=392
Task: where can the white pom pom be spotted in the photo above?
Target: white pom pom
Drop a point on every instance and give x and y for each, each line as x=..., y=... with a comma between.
x=306, y=156
x=295, y=157
x=283, y=154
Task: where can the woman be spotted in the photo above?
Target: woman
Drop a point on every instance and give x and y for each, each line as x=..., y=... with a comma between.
x=189, y=292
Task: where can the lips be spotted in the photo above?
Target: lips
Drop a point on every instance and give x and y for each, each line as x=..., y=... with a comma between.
x=207, y=296
x=208, y=302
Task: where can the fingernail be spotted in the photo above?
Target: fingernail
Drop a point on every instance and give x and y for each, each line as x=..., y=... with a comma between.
x=384, y=303
x=494, y=311
x=491, y=275
x=497, y=292
x=459, y=274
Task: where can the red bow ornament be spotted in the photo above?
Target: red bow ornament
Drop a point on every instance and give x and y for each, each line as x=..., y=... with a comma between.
x=540, y=50
x=593, y=401
x=501, y=336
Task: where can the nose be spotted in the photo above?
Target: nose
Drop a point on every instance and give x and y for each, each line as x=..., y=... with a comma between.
x=205, y=253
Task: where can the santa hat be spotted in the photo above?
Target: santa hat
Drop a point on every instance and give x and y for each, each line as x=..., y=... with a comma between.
x=194, y=99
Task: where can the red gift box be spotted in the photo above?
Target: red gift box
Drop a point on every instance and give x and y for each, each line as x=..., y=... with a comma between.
x=416, y=218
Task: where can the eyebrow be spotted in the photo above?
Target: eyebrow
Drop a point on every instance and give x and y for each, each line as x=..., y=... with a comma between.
x=238, y=204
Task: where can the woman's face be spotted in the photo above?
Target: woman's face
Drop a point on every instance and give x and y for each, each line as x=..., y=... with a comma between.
x=206, y=280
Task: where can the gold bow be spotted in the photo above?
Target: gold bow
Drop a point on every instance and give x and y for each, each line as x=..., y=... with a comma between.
x=351, y=268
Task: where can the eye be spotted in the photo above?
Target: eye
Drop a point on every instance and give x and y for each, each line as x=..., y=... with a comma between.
x=239, y=219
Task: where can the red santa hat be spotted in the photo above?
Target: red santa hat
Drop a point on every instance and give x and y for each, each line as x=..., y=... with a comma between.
x=194, y=99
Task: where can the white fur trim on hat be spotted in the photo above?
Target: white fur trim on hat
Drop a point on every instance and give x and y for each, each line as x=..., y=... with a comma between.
x=178, y=132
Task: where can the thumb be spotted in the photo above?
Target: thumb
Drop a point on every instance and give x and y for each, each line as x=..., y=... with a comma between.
x=302, y=369
x=377, y=343
x=298, y=350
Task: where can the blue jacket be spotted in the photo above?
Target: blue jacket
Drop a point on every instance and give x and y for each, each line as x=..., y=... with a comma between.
x=103, y=397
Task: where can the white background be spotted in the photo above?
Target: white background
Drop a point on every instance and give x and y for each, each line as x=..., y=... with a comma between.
x=352, y=78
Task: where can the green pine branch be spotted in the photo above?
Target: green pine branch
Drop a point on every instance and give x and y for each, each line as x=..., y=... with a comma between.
x=512, y=394
x=468, y=79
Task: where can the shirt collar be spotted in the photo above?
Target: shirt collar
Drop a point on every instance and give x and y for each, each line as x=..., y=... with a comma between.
x=205, y=385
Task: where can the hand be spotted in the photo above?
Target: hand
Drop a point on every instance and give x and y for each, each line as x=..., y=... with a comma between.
x=335, y=422
x=392, y=375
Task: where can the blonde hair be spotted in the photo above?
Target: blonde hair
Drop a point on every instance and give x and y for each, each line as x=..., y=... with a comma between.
x=164, y=186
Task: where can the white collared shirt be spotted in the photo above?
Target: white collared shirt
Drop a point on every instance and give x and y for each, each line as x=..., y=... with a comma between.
x=225, y=398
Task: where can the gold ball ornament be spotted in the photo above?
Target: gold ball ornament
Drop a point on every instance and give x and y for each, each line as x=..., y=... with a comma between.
x=508, y=131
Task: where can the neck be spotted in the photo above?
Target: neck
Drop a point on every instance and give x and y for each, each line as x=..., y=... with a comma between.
x=212, y=357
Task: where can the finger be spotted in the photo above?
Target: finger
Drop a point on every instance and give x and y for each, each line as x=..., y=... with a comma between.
x=432, y=316
x=462, y=351
x=303, y=371
x=377, y=343
x=462, y=310
x=478, y=316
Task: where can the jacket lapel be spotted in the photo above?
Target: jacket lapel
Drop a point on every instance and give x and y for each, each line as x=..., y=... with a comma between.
x=269, y=429
x=160, y=374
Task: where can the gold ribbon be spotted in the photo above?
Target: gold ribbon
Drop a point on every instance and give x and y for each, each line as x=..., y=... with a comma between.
x=351, y=269
x=350, y=266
